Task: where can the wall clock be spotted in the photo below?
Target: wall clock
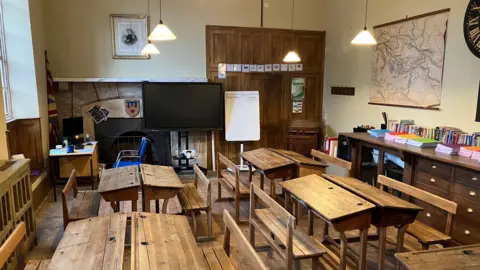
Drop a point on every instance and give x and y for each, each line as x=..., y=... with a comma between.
x=471, y=27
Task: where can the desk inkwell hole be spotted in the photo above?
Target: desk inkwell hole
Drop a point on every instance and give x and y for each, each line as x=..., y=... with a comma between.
x=112, y=238
x=144, y=243
x=468, y=252
x=359, y=204
x=143, y=216
x=330, y=187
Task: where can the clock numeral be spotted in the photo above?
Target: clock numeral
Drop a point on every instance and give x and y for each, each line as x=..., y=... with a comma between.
x=474, y=21
x=475, y=34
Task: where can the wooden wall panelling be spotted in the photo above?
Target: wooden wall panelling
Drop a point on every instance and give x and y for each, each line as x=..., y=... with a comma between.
x=239, y=45
x=25, y=137
x=222, y=44
x=311, y=49
x=279, y=43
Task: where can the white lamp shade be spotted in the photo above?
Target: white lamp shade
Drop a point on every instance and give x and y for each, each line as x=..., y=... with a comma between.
x=291, y=57
x=364, y=38
x=161, y=32
x=150, y=49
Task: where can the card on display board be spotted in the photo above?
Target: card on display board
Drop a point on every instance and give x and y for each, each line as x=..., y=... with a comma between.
x=260, y=68
x=245, y=68
x=230, y=67
x=276, y=67
x=253, y=68
x=237, y=68
x=268, y=68
x=222, y=71
x=299, y=67
x=284, y=67
x=291, y=67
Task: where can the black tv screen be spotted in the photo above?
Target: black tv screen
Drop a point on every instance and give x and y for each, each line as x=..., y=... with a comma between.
x=183, y=106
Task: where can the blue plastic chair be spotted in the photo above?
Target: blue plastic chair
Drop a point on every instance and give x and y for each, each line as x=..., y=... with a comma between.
x=132, y=157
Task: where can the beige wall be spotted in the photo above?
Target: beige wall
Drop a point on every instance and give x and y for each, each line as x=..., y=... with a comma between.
x=39, y=46
x=79, y=36
x=350, y=65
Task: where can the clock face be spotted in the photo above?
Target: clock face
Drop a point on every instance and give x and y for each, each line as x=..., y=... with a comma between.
x=471, y=27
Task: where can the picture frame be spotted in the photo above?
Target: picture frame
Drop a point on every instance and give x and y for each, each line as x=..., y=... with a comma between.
x=129, y=36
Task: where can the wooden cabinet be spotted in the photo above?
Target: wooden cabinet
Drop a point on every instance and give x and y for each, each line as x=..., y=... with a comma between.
x=239, y=45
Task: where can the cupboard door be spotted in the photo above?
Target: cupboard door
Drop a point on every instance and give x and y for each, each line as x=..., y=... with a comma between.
x=311, y=49
x=221, y=47
x=251, y=47
x=279, y=42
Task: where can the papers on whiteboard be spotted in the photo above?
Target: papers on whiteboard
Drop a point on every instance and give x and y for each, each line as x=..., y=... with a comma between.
x=242, y=116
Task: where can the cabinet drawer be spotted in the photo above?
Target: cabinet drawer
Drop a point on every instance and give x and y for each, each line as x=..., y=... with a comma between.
x=429, y=188
x=469, y=193
x=435, y=168
x=466, y=231
x=467, y=209
x=431, y=180
x=431, y=215
x=467, y=177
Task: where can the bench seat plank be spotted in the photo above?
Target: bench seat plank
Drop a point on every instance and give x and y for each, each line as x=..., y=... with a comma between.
x=426, y=234
x=85, y=205
x=37, y=265
x=190, y=199
x=303, y=245
x=216, y=258
x=229, y=179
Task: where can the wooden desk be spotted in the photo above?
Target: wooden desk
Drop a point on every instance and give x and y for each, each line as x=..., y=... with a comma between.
x=458, y=258
x=306, y=166
x=159, y=182
x=452, y=177
x=271, y=165
x=83, y=161
x=157, y=242
x=120, y=184
x=389, y=211
x=335, y=205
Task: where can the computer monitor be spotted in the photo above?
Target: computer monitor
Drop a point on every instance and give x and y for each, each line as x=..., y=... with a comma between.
x=72, y=126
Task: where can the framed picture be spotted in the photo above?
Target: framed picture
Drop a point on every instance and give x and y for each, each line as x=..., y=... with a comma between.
x=129, y=36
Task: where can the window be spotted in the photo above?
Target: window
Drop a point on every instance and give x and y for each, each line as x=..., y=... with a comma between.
x=7, y=102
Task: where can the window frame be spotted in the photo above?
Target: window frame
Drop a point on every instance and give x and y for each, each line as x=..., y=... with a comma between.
x=7, y=98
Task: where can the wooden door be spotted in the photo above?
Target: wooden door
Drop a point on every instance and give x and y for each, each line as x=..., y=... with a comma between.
x=251, y=46
x=279, y=42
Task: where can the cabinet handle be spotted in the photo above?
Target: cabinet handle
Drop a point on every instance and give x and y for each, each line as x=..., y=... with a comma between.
x=434, y=167
x=469, y=210
x=467, y=232
x=474, y=178
x=472, y=193
x=432, y=180
x=429, y=215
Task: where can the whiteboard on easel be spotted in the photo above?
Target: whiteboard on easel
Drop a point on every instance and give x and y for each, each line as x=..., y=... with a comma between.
x=242, y=116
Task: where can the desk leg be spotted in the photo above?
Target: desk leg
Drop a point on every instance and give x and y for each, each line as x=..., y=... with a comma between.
x=362, y=260
x=356, y=158
x=273, y=191
x=91, y=174
x=310, y=222
x=400, y=239
x=164, y=207
x=380, y=167
x=343, y=251
x=53, y=176
x=287, y=201
x=382, y=240
x=250, y=172
x=146, y=203
x=262, y=181
x=114, y=207
x=157, y=206
x=134, y=205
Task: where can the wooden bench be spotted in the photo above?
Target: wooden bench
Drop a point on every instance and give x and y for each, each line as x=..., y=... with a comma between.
x=228, y=175
x=16, y=242
x=274, y=222
x=86, y=203
x=425, y=234
x=192, y=203
x=218, y=257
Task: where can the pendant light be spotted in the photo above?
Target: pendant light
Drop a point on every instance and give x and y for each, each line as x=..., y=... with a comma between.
x=161, y=31
x=364, y=37
x=292, y=56
x=149, y=48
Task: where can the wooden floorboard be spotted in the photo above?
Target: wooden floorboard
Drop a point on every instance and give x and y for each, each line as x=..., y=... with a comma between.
x=50, y=229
